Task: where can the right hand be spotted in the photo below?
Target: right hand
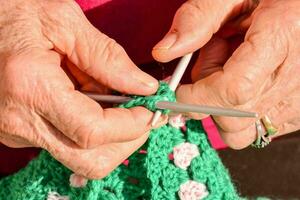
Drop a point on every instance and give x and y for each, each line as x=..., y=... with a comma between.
x=42, y=41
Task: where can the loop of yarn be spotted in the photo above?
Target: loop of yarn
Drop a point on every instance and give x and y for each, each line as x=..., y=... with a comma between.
x=164, y=93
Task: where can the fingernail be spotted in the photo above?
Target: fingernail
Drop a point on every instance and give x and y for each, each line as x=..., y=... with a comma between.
x=162, y=121
x=77, y=181
x=167, y=42
x=147, y=80
x=150, y=84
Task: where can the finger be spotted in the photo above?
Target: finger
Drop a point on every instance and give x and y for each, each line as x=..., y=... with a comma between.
x=96, y=54
x=193, y=26
x=86, y=82
x=284, y=117
x=241, y=139
x=118, y=151
x=91, y=163
x=90, y=125
x=211, y=59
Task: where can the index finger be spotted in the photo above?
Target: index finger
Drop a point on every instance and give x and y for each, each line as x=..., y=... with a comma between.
x=246, y=72
x=194, y=24
x=87, y=124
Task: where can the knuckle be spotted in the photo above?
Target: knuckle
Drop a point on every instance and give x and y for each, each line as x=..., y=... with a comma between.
x=192, y=11
x=111, y=51
x=281, y=15
x=192, y=8
x=87, y=137
x=239, y=91
x=197, y=10
x=189, y=94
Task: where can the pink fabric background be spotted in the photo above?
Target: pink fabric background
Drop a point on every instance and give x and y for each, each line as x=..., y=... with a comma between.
x=137, y=25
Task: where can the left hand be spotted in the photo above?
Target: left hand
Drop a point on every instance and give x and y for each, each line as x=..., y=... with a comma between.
x=262, y=73
x=49, y=51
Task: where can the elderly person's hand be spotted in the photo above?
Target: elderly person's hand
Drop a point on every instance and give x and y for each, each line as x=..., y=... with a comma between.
x=47, y=49
x=258, y=72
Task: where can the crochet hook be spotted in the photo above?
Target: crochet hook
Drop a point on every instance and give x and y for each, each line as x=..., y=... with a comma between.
x=178, y=107
x=175, y=79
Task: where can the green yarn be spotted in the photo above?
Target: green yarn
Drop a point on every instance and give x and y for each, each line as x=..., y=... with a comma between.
x=151, y=176
x=164, y=93
x=158, y=177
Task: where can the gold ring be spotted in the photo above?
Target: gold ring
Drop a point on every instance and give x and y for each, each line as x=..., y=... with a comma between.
x=270, y=128
x=264, y=129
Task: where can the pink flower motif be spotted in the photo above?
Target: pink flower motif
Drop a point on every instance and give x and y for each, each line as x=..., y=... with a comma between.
x=192, y=190
x=77, y=181
x=177, y=121
x=184, y=154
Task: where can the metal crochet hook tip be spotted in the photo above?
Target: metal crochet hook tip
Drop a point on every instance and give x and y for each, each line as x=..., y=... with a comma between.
x=174, y=81
x=178, y=107
x=184, y=108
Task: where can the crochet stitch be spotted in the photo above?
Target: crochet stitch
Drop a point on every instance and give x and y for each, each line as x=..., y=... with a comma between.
x=149, y=174
x=163, y=94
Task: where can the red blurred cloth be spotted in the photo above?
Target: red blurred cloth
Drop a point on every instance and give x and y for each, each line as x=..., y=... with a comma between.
x=137, y=25
x=11, y=160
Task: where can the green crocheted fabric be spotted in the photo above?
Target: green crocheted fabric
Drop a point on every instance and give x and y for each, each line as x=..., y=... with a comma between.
x=163, y=94
x=151, y=175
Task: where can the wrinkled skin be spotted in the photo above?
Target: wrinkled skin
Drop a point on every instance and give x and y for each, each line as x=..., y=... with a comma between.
x=47, y=49
x=249, y=60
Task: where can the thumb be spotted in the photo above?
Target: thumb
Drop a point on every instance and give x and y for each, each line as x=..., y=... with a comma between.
x=194, y=24
x=96, y=54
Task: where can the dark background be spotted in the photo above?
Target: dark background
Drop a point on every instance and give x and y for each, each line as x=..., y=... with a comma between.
x=272, y=172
